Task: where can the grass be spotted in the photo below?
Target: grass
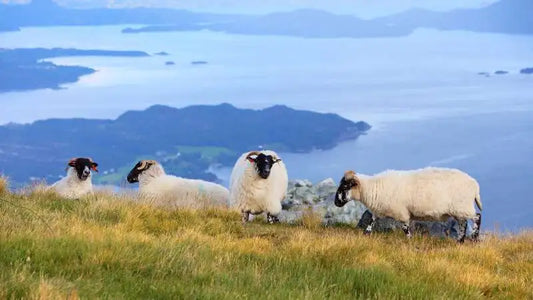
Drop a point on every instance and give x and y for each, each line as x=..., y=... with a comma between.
x=107, y=246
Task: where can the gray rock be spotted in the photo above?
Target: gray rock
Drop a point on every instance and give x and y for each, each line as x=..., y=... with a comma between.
x=303, y=183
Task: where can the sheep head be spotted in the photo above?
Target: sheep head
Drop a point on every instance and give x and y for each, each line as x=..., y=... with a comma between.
x=263, y=163
x=349, y=188
x=140, y=167
x=83, y=166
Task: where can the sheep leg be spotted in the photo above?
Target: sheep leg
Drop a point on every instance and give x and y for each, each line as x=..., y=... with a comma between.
x=475, y=227
x=272, y=219
x=462, y=230
x=407, y=230
x=368, y=229
x=245, y=216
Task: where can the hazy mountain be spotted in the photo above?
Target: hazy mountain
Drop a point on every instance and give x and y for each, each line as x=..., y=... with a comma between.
x=205, y=134
x=506, y=16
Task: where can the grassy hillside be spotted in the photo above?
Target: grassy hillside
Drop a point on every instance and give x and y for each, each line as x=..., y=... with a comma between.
x=109, y=247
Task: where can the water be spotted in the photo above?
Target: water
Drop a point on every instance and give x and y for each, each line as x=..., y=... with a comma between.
x=421, y=93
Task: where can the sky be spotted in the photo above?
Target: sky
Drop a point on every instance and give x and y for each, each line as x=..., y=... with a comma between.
x=361, y=8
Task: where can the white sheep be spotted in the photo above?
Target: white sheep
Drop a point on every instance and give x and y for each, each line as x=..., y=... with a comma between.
x=175, y=191
x=258, y=184
x=426, y=194
x=77, y=183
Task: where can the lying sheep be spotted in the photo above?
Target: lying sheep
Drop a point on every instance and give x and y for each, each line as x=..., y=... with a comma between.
x=427, y=194
x=176, y=191
x=77, y=183
x=258, y=184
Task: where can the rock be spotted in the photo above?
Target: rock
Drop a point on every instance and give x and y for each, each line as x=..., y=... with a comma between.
x=326, y=188
x=526, y=71
x=348, y=214
x=302, y=183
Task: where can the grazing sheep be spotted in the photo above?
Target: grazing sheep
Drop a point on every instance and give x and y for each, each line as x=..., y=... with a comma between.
x=77, y=183
x=176, y=191
x=258, y=184
x=427, y=194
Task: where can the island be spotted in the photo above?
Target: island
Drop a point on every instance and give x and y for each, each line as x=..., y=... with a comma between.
x=187, y=141
x=170, y=63
x=198, y=62
x=526, y=71
x=162, y=53
x=500, y=72
x=24, y=69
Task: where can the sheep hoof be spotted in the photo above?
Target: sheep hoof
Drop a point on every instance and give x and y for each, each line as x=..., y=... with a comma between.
x=245, y=217
x=272, y=219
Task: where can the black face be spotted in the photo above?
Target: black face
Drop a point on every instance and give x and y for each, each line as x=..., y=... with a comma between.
x=133, y=176
x=263, y=164
x=83, y=167
x=341, y=196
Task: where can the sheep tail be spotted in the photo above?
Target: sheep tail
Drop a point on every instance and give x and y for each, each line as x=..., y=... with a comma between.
x=478, y=202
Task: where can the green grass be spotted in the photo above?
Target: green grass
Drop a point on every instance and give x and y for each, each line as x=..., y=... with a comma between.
x=111, y=247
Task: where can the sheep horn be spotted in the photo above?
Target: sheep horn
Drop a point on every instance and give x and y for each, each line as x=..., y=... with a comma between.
x=146, y=163
x=143, y=165
x=249, y=156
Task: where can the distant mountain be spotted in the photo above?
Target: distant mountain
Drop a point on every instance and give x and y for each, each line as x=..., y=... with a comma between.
x=183, y=138
x=506, y=16
x=22, y=69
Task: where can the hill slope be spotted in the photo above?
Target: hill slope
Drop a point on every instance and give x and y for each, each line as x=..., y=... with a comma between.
x=105, y=247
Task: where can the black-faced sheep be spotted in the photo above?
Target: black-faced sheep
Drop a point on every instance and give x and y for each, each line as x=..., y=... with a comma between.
x=258, y=184
x=77, y=183
x=175, y=191
x=426, y=194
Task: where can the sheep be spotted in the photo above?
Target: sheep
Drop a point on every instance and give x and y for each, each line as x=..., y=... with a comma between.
x=77, y=183
x=258, y=184
x=426, y=194
x=175, y=191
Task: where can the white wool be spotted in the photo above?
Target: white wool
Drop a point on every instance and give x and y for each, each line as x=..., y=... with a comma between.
x=71, y=187
x=250, y=192
x=173, y=191
x=424, y=194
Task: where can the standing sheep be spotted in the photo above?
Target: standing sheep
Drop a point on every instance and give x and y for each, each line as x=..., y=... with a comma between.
x=77, y=183
x=258, y=184
x=154, y=183
x=426, y=194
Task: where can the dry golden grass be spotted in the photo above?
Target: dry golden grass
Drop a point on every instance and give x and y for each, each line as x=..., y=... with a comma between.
x=106, y=246
x=3, y=185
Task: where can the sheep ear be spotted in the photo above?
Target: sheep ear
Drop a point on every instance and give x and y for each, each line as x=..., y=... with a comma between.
x=251, y=157
x=72, y=162
x=277, y=160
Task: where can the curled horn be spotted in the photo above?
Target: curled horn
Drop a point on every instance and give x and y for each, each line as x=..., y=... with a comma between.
x=249, y=156
x=146, y=163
